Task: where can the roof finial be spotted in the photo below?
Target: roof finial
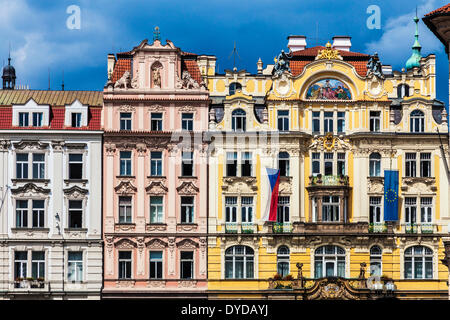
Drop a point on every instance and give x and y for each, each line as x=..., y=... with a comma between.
x=414, y=60
x=156, y=34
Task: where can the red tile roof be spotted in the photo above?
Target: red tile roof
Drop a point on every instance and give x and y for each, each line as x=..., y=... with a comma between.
x=442, y=10
x=121, y=66
x=192, y=67
x=313, y=51
x=5, y=117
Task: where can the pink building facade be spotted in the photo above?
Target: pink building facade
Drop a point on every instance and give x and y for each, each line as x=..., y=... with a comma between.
x=155, y=174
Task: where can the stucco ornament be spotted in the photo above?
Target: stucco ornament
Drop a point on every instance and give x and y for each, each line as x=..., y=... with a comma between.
x=124, y=81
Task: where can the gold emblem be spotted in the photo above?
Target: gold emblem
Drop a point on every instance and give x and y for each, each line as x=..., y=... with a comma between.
x=328, y=53
x=329, y=141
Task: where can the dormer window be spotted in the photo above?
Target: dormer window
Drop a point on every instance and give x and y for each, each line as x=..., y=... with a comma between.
x=30, y=114
x=76, y=119
x=403, y=90
x=37, y=119
x=76, y=115
x=23, y=119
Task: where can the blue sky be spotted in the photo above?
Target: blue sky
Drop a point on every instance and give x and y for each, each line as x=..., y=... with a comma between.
x=41, y=41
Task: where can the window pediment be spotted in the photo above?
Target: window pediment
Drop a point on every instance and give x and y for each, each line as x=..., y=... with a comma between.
x=75, y=192
x=157, y=244
x=156, y=187
x=188, y=188
x=29, y=190
x=187, y=244
x=125, y=187
x=125, y=244
x=30, y=145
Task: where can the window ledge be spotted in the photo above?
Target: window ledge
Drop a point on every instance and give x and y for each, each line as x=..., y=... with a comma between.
x=75, y=230
x=82, y=181
x=156, y=177
x=18, y=229
x=45, y=181
x=125, y=177
x=187, y=177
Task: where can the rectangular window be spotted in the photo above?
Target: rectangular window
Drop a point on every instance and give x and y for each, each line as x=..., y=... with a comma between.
x=341, y=122
x=374, y=121
x=330, y=209
x=410, y=165
x=246, y=164
x=231, y=209
x=316, y=122
x=410, y=210
x=124, y=209
x=187, y=264
x=187, y=165
x=156, y=163
x=328, y=122
x=124, y=264
x=283, y=120
x=38, y=265
x=75, y=166
x=425, y=164
x=37, y=119
x=156, y=265
x=38, y=213
x=38, y=166
x=156, y=209
x=283, y=164
x=20, y=264
x=231, y=164
x=283, y=209
x=23, y=119
x=125, y=163
x=247, y=209
x=75, y=266
x=426, y=209
x=75, y=214
x=21, y=213
x=187, y=121
x=187, y=209
x=76, y=119
x=341, y=164
x=315, y=163
x=375, y=209
x=125, y=121
x=328, y=163
x=157, y=121
x=22, y=165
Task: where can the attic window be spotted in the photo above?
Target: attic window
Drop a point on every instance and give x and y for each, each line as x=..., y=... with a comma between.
x=235, y=86
x=403, y=90
x=76, y=119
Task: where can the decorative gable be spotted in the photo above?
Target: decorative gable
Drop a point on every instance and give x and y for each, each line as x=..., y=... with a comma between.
x=71, y=115
x=30, y=114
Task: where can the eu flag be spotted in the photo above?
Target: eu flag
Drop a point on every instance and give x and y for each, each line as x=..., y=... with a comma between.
x=390, y=195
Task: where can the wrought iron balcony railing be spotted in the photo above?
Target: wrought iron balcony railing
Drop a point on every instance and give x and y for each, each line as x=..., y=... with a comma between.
x=333, y=180
x=285, y=227
x=377, y=227
x=244, y=227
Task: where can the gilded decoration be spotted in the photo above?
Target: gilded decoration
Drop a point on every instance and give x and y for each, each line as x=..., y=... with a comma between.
x=328, y=53
x=329, y=143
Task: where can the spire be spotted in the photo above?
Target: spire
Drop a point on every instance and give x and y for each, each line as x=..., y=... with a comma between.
x=414, y=60
x=156, y=34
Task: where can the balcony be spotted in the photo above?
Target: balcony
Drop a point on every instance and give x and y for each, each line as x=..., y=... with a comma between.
x=30, y=284
x=248, y=227
x=334, y=180
x=415, y=228
x=377, y=227
x=282, y=227
x=245, y=227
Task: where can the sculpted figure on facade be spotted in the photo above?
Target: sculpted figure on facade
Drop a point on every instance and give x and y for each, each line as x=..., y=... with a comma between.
x=124, y=82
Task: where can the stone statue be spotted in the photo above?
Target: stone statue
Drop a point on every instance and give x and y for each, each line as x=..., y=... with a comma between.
x=124, y=81
x=156, y=77
x=281, y=63
x=134, y=82
x=374, y=66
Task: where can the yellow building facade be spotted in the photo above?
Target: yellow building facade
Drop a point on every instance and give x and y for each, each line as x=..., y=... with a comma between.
x=331, y=120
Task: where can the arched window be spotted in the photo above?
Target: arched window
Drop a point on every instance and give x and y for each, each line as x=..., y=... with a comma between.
x=417, y=121
x=283, y=261
x=238, y=120
x=375, y=261
x=234, y=86
x=329, y=261
x=375, y=164
x=418, y=263
x=283, y=164
x=403, y=90
x=239, y=262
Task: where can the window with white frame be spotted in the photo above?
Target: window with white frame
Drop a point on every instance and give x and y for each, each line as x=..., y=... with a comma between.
x=283, y=164
x=38, y=165
x=125, y=215
x=374, y=121
x=247, y=209
x=402, y=90
x=375, y=210
x=417, y=121
x=376, y=255
x=22, y=259
x=156, y=209
x=341, y=122
x=330, y=208
x=315, y=163
x=232, y=164
x=410, y=210
x=125, y=121
x=329, y=261
x=187, y=121
x=21, y=213
x=234, y=86
x=239, y=262
x=76, y=166
x=316, y=122
x=245, y=167
x=76, y=119
x=418, y=263
x=328, y=162
x=375, y=164
x=38, y=265
x=231, y=207
x=283, y=120
x=20, y=265
x=410, y=164
x=283, y=261
x=283, y=215
x=75, y=214
x=22, y=165
x=187, y=264
x=76, y=115
x=238, y=120
x=156, y=121
x=246, y=164
x=426, y=209
x=187, y=209
x=24, y=119
x=38, y=213
x=156, y=264
x=156, y=163
x=187, y=165
x=425, y=164
x=341, y=164
x=125, y=163
x=328, y=122
x=124, y=265
x=37, y=119
x=75, y=266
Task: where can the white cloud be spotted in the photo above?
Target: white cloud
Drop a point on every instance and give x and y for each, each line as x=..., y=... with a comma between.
x=394, y=46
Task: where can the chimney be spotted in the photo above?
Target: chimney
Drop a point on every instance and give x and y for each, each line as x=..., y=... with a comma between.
x=342, y=43
x=386, y=69
x=111, y=63
x=296, y=43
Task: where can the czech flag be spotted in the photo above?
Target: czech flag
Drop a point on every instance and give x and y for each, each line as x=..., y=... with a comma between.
x=273, y=176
